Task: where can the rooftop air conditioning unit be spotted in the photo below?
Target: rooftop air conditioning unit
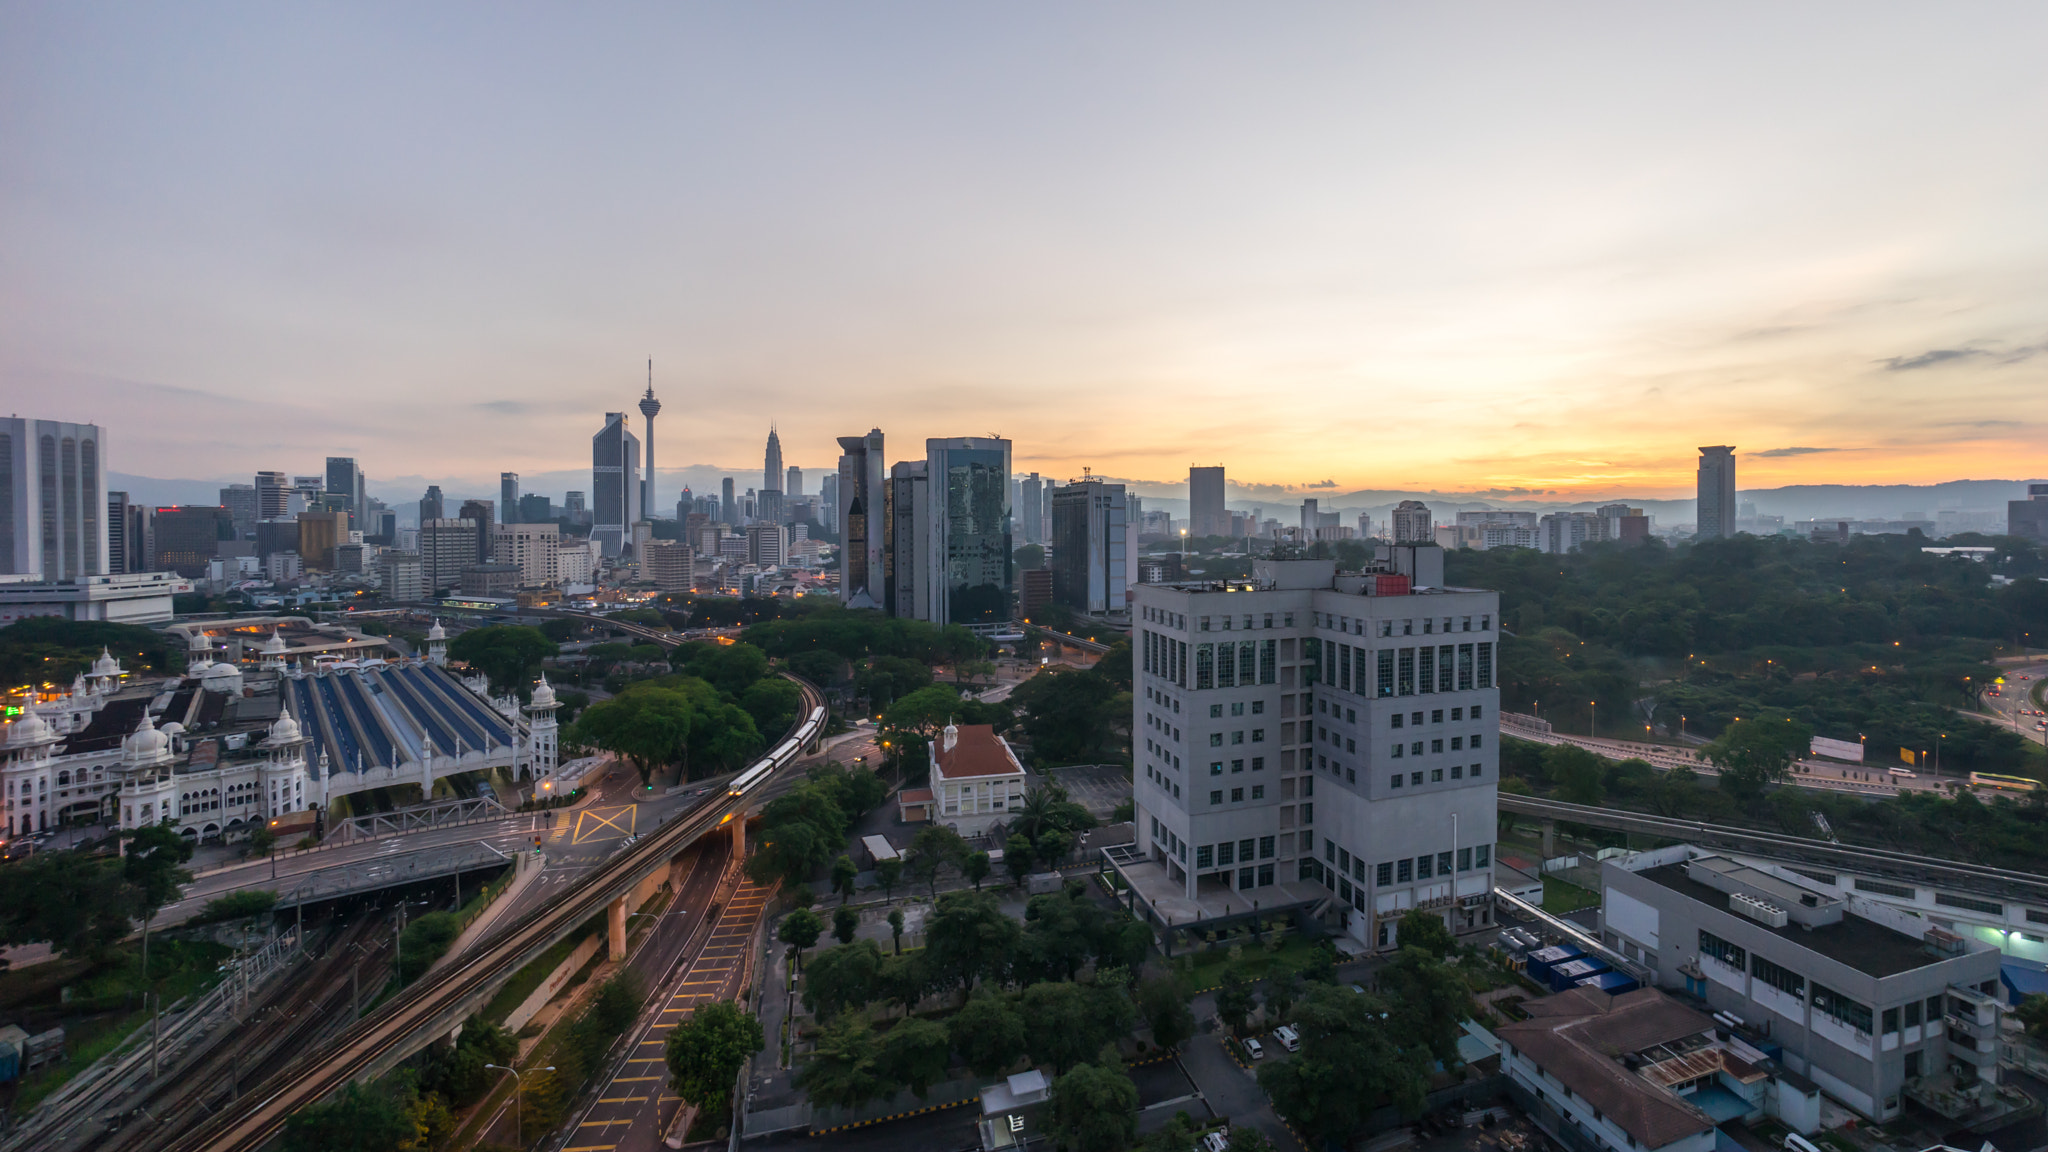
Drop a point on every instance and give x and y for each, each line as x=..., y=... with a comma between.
x=1757, y=910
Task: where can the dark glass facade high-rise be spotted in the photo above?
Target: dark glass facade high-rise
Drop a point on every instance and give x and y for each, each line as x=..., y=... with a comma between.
x=969, y=478
x=614, y=484
x=862, y=518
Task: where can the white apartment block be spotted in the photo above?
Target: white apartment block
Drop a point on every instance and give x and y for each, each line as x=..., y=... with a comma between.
x=535, y=548
x=1311, y=735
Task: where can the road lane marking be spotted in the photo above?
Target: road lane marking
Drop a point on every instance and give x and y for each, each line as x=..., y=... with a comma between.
x=630, y=1100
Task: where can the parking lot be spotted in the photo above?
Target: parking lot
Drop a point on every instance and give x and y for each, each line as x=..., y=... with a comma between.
x=1097, y=787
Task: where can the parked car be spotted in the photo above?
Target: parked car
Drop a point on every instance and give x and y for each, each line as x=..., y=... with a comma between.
x=1257, y=1050
x=1288, y=1037
x=1215, y=1142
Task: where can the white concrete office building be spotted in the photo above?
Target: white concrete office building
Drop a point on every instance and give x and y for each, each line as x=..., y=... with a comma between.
x=1311, y=735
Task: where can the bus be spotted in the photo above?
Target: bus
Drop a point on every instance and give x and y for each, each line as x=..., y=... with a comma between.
x=2003, y=783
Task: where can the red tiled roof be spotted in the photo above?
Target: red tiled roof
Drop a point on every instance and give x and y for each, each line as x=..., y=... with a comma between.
x=976, y=751
x=914, y=796
x=1580, y=1036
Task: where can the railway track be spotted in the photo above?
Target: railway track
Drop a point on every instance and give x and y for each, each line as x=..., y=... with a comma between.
x=440, y=1000
x=1976, y=879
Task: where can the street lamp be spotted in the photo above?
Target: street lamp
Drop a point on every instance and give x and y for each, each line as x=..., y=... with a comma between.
x=518, y=1102
x=1593, y=725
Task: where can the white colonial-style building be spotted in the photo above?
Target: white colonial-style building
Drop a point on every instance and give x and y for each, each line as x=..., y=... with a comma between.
x=976, y=780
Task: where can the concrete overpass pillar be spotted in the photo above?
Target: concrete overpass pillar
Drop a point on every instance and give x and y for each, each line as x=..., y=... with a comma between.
x=615, y=920
x=1549, y=839
x=739, y=837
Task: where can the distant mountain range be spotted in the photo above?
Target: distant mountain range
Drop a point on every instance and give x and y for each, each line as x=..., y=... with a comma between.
x=1794, y=502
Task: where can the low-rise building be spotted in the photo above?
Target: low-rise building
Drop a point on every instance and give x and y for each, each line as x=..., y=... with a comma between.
x=1642, y=1072
x=976, y=780
x=1869, y=1001
x=134, y=598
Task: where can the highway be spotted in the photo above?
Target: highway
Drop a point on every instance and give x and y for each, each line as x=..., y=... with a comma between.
x=1825, y=775
x=440, y=1000
x=2015, y=706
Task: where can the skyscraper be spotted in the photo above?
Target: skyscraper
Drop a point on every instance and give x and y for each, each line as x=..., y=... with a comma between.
x=861, y=520
x=125, y=536
x=432, y=506
x=793, y=486
x=1714, y=517
x=53, y=511
x=906, y=546
x=508, y=496
x=614, y=484
x=1412, y=523
x=728, y=508
x=771, y=470
x=970, y=535
x=1206, y=516
x=189, y=536
x=828, y=502
x=649, y=407
x=1030, y=495
x=241, y=502
x=480, y=513
x=1090, y=535
x=273, y=496
x=344, y=479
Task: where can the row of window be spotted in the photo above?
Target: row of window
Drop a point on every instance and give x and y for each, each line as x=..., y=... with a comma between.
x=1231, y=851
x=1250, y=619
x=1237, y=796
x=1358, y=627
x=1429, y=865
x=1237, y=737
x=1458, y=743
x=1216, y=766
x=1436, y=775
x=1436, y=716
x=1389, y=672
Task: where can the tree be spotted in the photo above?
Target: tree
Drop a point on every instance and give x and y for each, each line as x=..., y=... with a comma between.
x=903, y=980
x=843, y=873
x=1352, y=1060
x=1053, y=847
x=842, y=977
x=361, y=1119
x=1061, y=931
x=988, y=1033
x=1245, y=1138
x=1166, y=1011
x=975, y=868
x=1095, y=1108
x=1578, y=774
x=1429, y=1000
x=842, y=1070
x=1754, y=754
x=77, y=902
x=2033, y=1012
x=1124, y=945
x=915, y=1054
x=896, y=928
x=889, y=873
x=800, y=830
x=935, y=847
x=1234, y=1002
x=1058, y=1023
x=261, y=839
x=800, y=929
x=1424, y=929
x=1279, y=990
x=151, y=866
x=648, y=724
x=509, y=655
x=845, y=922
x=968, y=937
x=772, y=702
x=1017, y=858
x=704, y=1053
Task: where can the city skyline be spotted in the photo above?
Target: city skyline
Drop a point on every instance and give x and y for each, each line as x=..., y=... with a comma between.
x=1333, y=224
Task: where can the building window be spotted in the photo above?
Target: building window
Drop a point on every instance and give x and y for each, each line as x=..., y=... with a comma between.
x=1383, y=873
x=1216, y=797
x=1397, y=752
x=1482, y=855
x=1415, y=778
x=1729, y=954
x=1258, y=763
x=1205, y=662
x=1457, y=743
x=1783, y=979
x=1215, y=739
x=1853, y=1013
x=1457, y=771
x=1436, y=775
x=1443, y=863
x=1226, y=852
x=1395, y=780
x=1486, y=665
x=1415, y=749
x=1258, y=791
x=1237, y=765
x=1422, y=867
x=1258, y=735
x=1436, y=745
x=1204, y=856
x=1216, y=768
x=1476, y=769
x=1404, y=683
x=1426, y=676
x=1265, y=847
x=1464, y=859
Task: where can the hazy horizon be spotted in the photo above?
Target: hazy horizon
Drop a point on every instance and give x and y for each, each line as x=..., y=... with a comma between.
x=1471, y=249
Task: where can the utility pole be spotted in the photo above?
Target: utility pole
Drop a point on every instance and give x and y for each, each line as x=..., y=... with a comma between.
x=156, y=1017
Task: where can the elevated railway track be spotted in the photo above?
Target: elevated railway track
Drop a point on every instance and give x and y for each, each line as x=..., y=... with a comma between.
x=1824, y=855
x=436, y=1003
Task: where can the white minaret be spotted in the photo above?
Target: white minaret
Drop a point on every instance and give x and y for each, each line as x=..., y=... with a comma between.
x=542, y=732
x=649, y=406
x=437, y=645
x=284, y=772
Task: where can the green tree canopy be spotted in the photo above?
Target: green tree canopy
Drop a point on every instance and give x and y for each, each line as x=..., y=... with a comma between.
x=509, y=655
x=1754, y=754
x=704, y=1053
x=1095, y=1108
x=915, y=1054
x=967, y=937
x=1353, y=1060
x=842, y=977
x=1424, y=929
x=988, y=1033
x=844, y=1069
x=1166, y=1011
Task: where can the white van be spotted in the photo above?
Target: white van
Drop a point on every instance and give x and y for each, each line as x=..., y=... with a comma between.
x=1902, y=774
x=1288, y=1037
x=1794, y=1142
x=1258, y=1052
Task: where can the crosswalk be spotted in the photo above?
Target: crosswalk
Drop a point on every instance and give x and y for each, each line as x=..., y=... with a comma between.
x=638, y=1092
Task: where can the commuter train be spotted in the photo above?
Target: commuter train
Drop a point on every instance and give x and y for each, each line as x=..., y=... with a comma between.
x=2003, y=783
x=746, y=781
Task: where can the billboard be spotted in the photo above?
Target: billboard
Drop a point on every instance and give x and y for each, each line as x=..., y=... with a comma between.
x=1906, y=754
x=1837, y=749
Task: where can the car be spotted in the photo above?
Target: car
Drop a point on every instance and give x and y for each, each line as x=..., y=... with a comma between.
x=1288, y=1037
x=1256, y=1049
x=1215, y=1142
x=1794, y=1142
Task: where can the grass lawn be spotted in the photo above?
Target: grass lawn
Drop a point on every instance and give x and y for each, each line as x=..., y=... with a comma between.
x=1210, y=963
x=1560, y=897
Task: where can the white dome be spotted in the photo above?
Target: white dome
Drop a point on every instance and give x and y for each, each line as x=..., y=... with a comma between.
x=544, y=695
x=275, y=645
x=146, y=745
x=30, y=729
x=286, y=729
x=222, y=678
x=437, y=632
x=173, y=729
x=198, y=642
x=106, y=665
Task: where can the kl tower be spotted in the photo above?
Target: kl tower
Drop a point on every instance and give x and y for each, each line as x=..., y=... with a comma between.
x=649, y=406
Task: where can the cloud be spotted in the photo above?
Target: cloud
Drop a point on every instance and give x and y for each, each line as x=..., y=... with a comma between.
x=1929, y=358
x=504, y=407
x=1322, y=484
x=1794, y=451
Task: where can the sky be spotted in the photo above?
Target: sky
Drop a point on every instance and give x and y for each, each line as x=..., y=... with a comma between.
x=1483, y=247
